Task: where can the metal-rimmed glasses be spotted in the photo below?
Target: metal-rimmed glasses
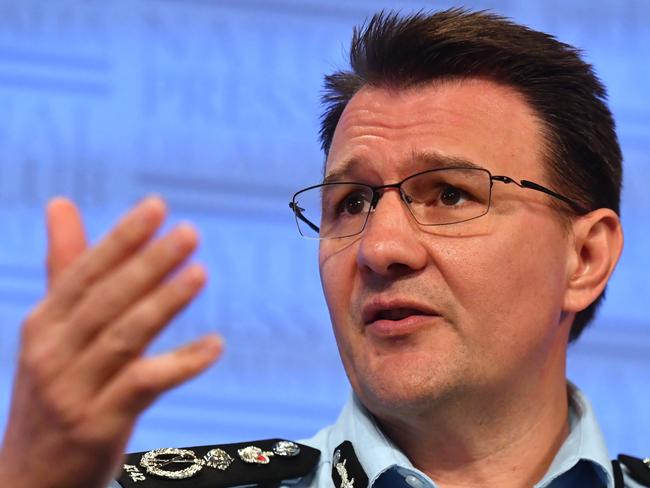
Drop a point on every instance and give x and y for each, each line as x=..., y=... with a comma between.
x=440, y=196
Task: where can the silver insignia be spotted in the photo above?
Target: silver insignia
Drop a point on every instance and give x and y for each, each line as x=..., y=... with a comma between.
x=254, y=455
x=343, y=473
x=134, y=473
x=286, y=448
x=155, y=461
x=218, y=459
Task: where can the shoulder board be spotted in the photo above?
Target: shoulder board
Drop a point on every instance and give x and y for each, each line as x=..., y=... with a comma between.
x=266, y=462
x=636, y=468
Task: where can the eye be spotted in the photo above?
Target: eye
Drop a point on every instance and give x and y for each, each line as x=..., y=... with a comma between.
x=353, y=204
x=451, y=195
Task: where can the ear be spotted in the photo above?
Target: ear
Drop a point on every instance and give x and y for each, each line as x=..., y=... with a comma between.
x=597, y=241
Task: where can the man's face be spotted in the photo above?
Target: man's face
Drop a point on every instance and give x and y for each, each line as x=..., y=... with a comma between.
x=428, y=314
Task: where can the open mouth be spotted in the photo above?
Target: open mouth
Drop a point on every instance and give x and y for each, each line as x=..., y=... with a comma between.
x=396, y=321
x=395, y=313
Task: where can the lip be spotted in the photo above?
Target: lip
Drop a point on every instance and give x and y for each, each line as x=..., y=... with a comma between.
x=376, y=316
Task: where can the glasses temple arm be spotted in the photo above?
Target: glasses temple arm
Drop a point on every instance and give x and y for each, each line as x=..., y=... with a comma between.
x=298, y=212
x=534, y=186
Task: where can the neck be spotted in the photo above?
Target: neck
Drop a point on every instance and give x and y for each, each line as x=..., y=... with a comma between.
x=509, y=439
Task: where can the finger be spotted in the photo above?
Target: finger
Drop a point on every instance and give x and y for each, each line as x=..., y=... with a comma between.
x=129, y=235
x=110, y=297
x=138, y=385
x=124, y=341
x=65, y=236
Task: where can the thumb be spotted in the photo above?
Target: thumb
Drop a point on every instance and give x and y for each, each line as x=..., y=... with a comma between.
x=65, y=236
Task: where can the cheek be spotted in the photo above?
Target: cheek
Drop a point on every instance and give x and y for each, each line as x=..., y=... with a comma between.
x=336, y=275
x=510, y=286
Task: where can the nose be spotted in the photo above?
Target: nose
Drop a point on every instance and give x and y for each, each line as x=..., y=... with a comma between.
x=390, y=245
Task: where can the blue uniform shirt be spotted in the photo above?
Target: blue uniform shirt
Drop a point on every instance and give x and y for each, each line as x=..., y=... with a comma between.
x=582, y=461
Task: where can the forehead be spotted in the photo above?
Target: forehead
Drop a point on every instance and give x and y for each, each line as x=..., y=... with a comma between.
x=392, y=133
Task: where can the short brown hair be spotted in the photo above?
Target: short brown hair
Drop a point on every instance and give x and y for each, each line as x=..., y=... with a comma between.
x=582, y=151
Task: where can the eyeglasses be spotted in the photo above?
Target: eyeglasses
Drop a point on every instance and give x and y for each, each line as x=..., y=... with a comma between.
x=440, y=196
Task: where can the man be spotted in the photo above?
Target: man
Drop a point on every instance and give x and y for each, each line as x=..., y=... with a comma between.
x=469, y=223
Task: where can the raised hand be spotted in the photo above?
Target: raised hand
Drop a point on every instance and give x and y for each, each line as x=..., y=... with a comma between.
x=82, y=380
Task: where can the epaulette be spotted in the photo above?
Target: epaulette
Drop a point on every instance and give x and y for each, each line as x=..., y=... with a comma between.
x=266, y=463
x=636, y=468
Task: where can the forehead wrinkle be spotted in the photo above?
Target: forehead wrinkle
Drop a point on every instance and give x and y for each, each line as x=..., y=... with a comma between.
x=364, y=114
x=378, y=122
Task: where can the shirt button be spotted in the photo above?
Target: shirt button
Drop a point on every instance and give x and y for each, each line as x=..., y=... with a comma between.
x=414, y=481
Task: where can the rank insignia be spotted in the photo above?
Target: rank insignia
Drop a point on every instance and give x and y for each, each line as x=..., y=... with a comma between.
x=347, y=471
x=266, y=462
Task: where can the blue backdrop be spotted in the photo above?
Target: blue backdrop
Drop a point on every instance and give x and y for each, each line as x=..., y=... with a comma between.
x=214, y=105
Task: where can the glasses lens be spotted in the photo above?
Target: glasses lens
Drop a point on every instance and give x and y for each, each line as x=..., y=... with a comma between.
x=332, y=210
x=448, y=196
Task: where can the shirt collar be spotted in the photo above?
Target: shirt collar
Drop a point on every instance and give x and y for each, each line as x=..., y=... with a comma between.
x=584, y=443
x=377, y=453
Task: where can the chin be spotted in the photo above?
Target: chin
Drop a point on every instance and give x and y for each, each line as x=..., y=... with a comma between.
x=399, y=392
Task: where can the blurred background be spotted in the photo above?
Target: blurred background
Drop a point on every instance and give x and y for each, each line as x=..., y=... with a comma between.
x=215, y=105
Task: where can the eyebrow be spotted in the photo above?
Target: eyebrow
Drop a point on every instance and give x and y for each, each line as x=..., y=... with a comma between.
x=424, y=159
